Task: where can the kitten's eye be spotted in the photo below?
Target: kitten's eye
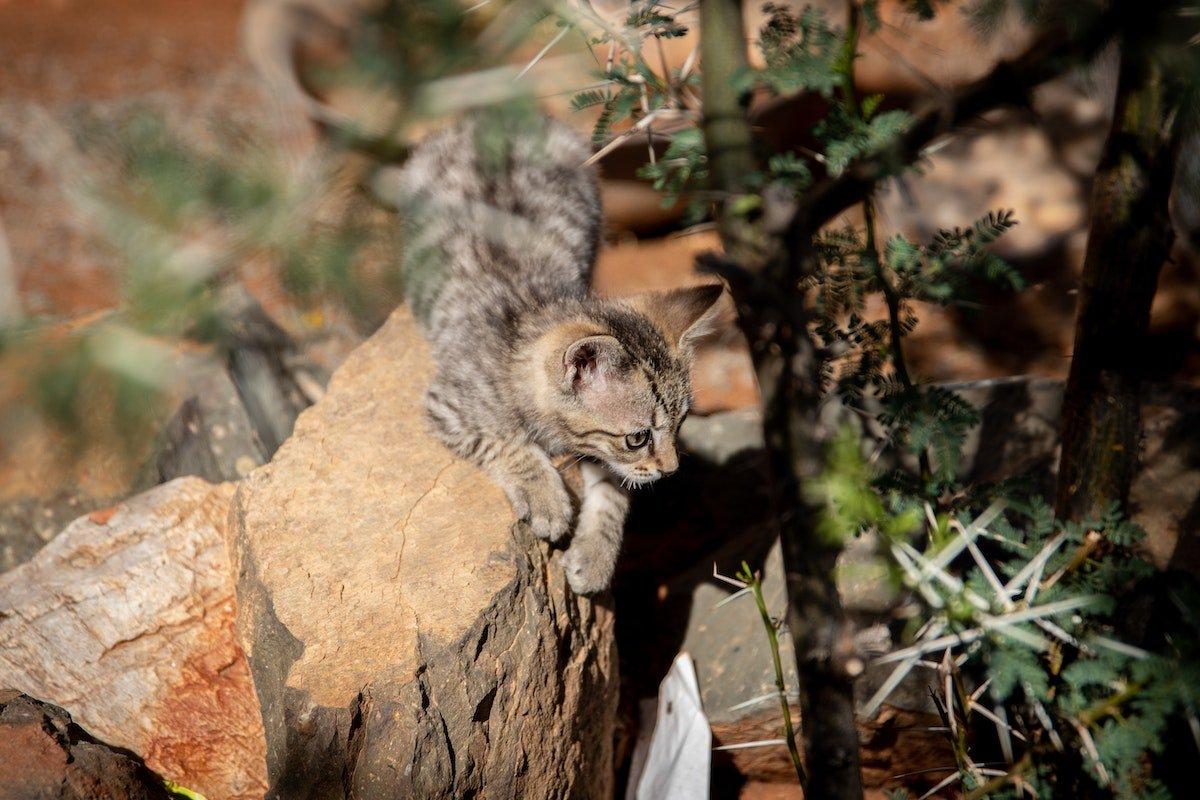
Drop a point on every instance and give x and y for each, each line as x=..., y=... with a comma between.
x=636, y=441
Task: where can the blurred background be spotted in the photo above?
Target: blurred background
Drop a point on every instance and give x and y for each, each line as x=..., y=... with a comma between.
x=195, y=230
x=183, y=214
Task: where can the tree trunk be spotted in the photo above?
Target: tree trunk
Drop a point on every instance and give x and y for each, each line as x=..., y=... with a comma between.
x=772, y=315
x=727, y=137
x=1131, y=236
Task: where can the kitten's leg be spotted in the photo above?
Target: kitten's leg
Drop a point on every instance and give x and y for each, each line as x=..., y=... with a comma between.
x=532, y=484
x=521, y=469
x=592, y=555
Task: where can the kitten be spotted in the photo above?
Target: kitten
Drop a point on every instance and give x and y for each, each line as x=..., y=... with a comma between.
x=502, y=228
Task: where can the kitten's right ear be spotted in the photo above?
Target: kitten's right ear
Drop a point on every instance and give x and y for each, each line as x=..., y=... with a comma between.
x=683, y=315
x=588, y=363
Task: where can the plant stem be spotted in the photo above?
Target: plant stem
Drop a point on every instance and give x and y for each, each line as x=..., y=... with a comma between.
x=755, y=584
x=983, y=790
x=1108, y=706
x=765, y=272
x=895, y=329
x=890, y=296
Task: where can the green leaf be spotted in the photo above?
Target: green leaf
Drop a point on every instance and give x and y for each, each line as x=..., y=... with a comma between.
x=589, y=98
x=181, y=791
x=743, y=204
x=800, y=53
x=1011, y=666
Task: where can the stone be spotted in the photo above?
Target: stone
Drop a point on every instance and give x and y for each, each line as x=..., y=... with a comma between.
x=218, y=413
x=46, y=756
x=407, y=638
x=126, y=620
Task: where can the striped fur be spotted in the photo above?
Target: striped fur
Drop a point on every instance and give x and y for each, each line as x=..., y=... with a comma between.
x=502, y=227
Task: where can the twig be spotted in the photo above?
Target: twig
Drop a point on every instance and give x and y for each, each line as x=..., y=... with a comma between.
x=746, y=745
x=642, y=124
x=754, y=583
x=542, y=53
x=1009, y=82
x=1014, y=772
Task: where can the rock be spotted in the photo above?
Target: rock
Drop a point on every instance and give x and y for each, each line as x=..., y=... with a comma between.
x=406, y=638
x=27, y=523
x=238, y=402
x=262, y=361
x=221, y=412
x=126, y=620
x=211, y=434
x=45, y=756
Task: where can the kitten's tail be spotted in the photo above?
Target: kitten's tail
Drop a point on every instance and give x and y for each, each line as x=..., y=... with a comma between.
x=501, y=183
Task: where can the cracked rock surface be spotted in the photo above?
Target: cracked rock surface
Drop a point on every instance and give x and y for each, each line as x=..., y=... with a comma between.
x=406, y=638
x=126, y=621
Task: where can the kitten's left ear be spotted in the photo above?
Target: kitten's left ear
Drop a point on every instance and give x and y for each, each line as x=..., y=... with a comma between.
x=683, y=315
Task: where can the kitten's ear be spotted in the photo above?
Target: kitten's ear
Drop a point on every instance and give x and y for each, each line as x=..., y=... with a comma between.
x=588, y=363
x=684, y=315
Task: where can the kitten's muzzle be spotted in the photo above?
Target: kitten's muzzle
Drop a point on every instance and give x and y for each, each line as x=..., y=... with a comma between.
x=666, y=461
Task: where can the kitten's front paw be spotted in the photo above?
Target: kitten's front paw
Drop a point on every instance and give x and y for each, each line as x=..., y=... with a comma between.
x=546, y=506
x=588, y=564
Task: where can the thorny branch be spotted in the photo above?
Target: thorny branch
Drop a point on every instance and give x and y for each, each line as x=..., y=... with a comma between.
x=772, y=315
x=1054, y=52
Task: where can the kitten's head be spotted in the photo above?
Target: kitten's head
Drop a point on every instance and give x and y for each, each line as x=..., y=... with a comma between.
x=625, y=387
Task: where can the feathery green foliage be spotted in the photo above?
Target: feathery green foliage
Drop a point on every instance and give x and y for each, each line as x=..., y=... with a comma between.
x=1030, y=610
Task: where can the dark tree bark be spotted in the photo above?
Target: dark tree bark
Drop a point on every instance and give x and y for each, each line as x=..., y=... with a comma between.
x=727, y=136
x=1131, y=236
x=763, y=277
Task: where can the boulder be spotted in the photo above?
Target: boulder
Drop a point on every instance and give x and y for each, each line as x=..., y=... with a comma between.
x=126, y=620
x=406, y=637
x=45, y=756
x=220, y=412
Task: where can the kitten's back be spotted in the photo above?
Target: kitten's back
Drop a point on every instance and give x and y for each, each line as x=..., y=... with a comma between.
x=500, y=212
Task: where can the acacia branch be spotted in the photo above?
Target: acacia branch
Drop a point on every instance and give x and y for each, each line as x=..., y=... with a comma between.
x=1055, y=51
x=1130, y=238
x=772, y=314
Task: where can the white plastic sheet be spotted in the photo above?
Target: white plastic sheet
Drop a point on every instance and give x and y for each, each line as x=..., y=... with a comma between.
x=673, y=758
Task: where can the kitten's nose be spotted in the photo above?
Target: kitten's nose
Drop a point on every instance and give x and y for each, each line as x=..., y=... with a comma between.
x=667, y=461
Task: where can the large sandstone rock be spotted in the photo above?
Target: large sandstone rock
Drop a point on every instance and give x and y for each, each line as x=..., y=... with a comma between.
x=126, y=620
x=406, y=638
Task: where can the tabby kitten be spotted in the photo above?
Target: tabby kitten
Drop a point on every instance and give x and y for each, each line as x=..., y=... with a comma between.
x=502, y=227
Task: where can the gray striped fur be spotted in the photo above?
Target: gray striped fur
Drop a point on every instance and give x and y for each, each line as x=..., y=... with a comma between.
x=502, y=228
